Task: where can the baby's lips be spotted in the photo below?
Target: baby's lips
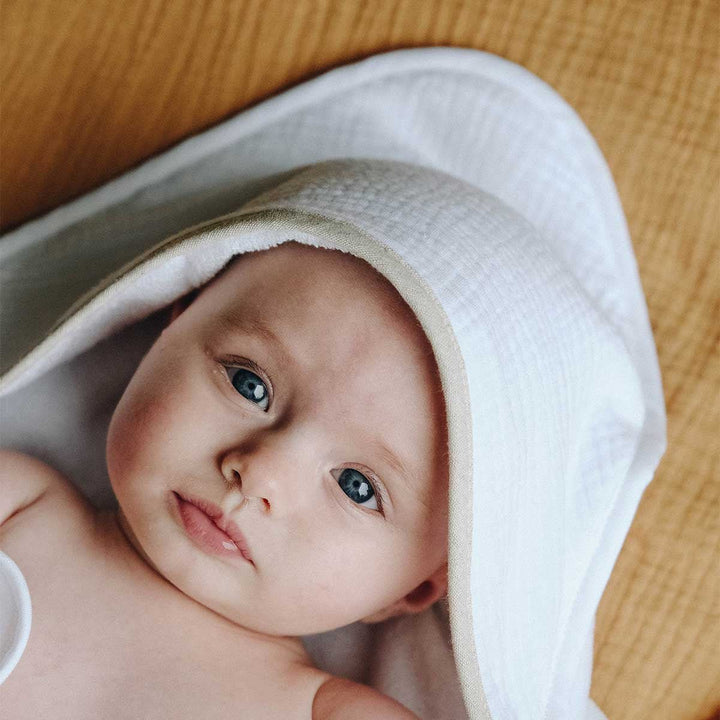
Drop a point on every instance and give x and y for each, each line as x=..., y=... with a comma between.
x=230, y=528
x=213, y=511
x=233, y=532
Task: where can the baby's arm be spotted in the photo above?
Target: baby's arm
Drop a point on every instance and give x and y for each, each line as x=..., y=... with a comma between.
x=342, y=699
x=23, y=481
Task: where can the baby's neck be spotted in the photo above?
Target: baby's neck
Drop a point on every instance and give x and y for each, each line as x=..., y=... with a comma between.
x=123, y=549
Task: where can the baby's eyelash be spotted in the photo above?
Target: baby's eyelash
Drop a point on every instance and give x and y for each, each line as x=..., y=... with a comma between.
x=239, y=363
x=251, y=367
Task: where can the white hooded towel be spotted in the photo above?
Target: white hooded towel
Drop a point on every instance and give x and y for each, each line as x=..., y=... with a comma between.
x=472, y=187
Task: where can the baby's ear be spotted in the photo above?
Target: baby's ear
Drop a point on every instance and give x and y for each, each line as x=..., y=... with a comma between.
x=181, y=304
x=422, y=597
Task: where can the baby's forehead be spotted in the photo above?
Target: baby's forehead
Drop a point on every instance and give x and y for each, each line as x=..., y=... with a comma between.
x=321, y=280
x=298, y=260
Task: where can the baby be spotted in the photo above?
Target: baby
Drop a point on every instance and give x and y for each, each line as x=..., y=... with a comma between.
x=280, y=462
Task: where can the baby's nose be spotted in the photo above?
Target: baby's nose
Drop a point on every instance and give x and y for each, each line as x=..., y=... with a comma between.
x=257, y=483
x=276, y=468
x=235, y=482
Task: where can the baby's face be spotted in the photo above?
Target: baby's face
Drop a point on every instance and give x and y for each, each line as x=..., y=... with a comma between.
x=293, y=440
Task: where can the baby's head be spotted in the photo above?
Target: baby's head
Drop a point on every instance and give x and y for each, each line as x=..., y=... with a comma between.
x=299, y=394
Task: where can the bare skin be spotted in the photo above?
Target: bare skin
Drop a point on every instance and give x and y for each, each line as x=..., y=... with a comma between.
x=111, y=637
x=285, y=441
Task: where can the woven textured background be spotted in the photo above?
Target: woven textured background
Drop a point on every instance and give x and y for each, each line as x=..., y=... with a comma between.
x=92, y=88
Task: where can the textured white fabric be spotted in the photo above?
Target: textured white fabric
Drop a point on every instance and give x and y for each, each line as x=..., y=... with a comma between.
x=478, y=192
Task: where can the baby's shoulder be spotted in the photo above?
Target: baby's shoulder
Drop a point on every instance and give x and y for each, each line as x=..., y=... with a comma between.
x=341, y=698
x=30, y=486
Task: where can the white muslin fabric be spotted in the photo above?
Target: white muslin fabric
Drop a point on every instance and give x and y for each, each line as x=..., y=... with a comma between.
x=478, y=192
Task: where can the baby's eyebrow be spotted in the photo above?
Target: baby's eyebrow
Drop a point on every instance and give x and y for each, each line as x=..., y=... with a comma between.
x=233, y=320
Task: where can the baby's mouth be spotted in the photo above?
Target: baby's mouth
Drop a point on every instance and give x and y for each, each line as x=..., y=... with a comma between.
x=206, y=524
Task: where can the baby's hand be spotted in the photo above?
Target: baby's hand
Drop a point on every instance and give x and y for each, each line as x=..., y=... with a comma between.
x=342, y=699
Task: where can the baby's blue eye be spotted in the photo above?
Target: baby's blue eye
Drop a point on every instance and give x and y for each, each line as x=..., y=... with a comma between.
x=357, y=487
x=249, y=385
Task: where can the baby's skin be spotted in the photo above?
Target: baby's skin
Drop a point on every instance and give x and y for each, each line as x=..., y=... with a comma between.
x=296, y=400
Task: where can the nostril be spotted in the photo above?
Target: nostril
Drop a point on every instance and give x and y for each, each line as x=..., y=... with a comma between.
x=233, y=479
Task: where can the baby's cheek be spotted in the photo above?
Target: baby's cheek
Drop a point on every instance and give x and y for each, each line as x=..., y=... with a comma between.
x=135, y=429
